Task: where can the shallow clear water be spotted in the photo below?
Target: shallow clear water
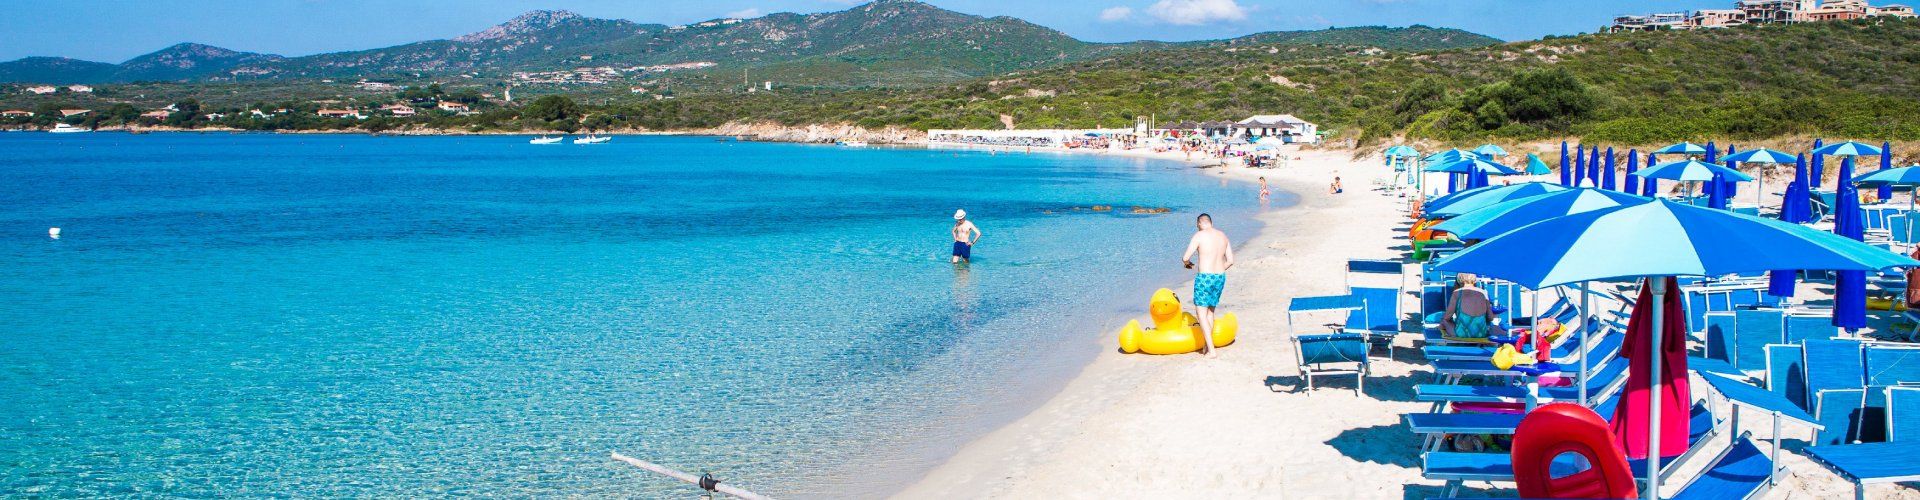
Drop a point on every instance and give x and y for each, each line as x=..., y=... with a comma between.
x=346, y=315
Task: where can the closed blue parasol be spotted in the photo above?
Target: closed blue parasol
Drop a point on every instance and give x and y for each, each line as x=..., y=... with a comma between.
x=1579, y=164
x=1593, y=167
x=1717, y=192
x=1731, y=188
x=1657, y=239
x=1632, y=183
x=1607, y=176
x=1652, y=186
x=1886, y=162
x=1499, y=218
x=1566, y=170
x=1468, y=201
x=1849, y=286
x=1819, y=171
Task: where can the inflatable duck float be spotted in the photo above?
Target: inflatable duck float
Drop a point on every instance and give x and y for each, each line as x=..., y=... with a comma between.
x=1174, y=331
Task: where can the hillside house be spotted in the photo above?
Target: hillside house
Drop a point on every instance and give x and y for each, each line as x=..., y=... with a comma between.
x=400, y=110
x=453, y=107
x=42, y=89
x=16, y=113
x=158, y=114
x=339, y=113
x=83, y=89
x=69, y=113
x=1288, y=128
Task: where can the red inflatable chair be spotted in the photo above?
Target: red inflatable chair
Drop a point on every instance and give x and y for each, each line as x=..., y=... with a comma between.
x=1561, y=428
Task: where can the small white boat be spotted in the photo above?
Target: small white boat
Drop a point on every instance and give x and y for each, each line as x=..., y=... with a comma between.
x=547, y=140
x=592, y=139
x=854, y=144
x=67, y=129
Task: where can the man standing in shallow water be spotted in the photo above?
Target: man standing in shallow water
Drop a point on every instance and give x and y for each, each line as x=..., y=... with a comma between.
x=965, y=234
x=1215, y=256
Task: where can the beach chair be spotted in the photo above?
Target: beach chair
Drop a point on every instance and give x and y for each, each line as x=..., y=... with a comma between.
x=1599, y=353
x=1457, y=467
x=1378, y=316
x=1779, y=409
x=1335, y=353
x=1601, y=338
x=1887, y=365
x=1787, y=373
x=1899, y=231
x=1806, y=327
x=1836, y=382
x=1719, y=337
x=1433, y=427
x=1903, y=413
x=1605, y=379
x=1754, y=329
x=1741, y=471
x=1383, y=268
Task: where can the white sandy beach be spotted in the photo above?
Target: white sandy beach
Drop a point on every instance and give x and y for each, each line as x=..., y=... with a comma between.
x=1139, y=426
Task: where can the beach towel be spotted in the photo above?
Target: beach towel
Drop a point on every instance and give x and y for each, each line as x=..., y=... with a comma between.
x=1630, y=424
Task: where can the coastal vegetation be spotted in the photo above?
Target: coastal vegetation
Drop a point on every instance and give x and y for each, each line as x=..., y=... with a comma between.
x=1853, y=79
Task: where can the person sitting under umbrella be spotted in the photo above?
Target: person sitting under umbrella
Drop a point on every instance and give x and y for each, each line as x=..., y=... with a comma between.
x=1469, y=314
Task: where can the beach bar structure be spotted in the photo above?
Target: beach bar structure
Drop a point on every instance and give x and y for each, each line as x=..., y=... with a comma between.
x=1288, y=128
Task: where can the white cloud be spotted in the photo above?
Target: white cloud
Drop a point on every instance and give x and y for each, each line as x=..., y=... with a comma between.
x=1196, y=12
x=748, y=13
x=1116, y=13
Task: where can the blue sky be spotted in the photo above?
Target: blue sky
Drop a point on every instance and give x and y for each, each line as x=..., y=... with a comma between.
x=115, y=30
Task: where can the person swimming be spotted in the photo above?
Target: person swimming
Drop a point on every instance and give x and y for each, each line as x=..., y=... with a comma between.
x=965, y=234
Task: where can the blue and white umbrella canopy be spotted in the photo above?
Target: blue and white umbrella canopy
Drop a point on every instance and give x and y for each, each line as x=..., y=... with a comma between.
x=1489, y=150
x=1684, y=148
x=1450, y=155
x=1761, y=155
x=1661, y=238
x=1471, y=166
x=1849, y=148
x=1401, y=151
x=1535, y=166
x=1467, y=201
x=1691, y=170
x=1499, y=218
x=1903, y=176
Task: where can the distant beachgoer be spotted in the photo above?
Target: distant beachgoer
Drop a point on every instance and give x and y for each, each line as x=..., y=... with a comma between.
x=965, y=234
x=1264, y=191
x=1469, y=312
x=1215, y=254
x=1335, y=188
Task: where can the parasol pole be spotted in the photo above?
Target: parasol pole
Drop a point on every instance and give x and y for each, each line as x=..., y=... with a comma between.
x=1652, y=491
x=1582, y=339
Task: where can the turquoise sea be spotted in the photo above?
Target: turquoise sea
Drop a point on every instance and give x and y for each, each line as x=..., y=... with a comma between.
x=308, y=315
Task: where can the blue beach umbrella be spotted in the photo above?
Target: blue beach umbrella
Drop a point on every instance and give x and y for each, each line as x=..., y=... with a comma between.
x=1566, y=170
x=1607, y=175
x=1887, y=178
x=1651, y=187
x=1819, y=166
x=1654, y=240
x=1489, y=151
x=1886, y=162
x=1763, y=156
x=1468, y=201
x=1798, y=202
x=1632, y=183
x=1684, y=148
x=1402, y=151
x=1579, y=164
x=1731, y=188
x=1496, y=219
x=1717, y=192
x=1692, y=171
x=1593, y=167
x=1850, y=286
x=1713, y=152
x=1536, y=166
x=1472, y=165
x=1849, y=148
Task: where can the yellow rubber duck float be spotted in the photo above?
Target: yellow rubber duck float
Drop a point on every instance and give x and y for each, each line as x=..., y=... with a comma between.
x=1174, y=331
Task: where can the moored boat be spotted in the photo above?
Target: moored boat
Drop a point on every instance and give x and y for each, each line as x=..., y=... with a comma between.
x=546, y=140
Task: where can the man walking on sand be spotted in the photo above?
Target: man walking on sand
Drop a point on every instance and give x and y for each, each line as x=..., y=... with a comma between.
x=965, y=234
x=1209, y=255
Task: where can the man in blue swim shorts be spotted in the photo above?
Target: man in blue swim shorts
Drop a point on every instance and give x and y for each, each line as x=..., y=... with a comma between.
x=1209, y=254
x=965, y=234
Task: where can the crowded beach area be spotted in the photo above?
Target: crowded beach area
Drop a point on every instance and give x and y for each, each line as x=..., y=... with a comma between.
x=1453, y=321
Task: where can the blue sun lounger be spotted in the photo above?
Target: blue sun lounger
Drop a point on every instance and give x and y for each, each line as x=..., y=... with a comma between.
x=1457, y=467
x=1599, y=352
x=1753, y=330
x=1435, y=425
x=1605, y=378
x=1743, y=395
x=1836, y=382
x=1807, y=327
x=1740, y=472
x=1329, y=353
x=1903, y=414
x=1378, y=316
x=1871, y=463
x=1787, y=373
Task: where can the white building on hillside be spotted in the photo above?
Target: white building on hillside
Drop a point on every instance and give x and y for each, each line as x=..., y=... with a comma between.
x=1287, y=127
